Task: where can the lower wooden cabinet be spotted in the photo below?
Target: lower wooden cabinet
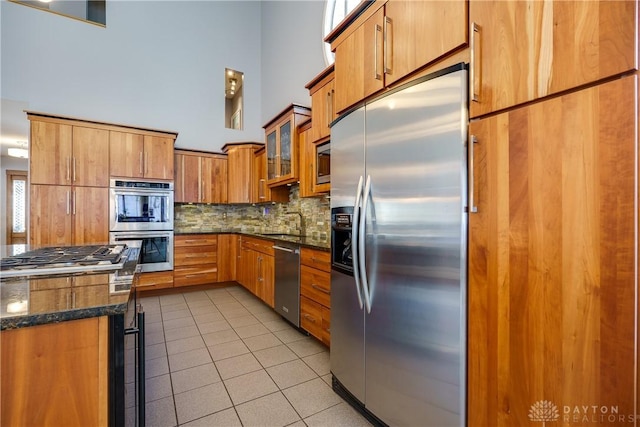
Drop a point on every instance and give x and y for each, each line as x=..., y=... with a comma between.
x=195, y=259
x=155, y=280
x=55, y=374
x=256, y=268
x=315, y=293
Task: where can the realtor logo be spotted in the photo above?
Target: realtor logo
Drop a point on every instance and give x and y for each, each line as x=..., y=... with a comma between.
x=543, y=410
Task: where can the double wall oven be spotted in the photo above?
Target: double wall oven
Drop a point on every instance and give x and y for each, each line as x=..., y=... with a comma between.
x=141, y=215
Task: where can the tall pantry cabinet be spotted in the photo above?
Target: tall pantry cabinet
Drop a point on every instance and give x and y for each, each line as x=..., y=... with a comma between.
x=69, y=177
x=553, y=239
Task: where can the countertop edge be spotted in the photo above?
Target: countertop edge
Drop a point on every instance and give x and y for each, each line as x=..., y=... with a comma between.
x=258, y=236
x=11, y=323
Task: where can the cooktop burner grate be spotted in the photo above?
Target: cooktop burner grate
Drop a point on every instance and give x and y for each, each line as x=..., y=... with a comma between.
x=63, y=256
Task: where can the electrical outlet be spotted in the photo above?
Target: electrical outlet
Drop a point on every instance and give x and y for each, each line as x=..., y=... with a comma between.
x=224, y=215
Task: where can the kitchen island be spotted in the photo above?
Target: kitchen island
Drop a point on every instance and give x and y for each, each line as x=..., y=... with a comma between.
x=62, y=344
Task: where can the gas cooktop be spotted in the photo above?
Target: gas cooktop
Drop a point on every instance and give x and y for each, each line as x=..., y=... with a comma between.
x=63, y=260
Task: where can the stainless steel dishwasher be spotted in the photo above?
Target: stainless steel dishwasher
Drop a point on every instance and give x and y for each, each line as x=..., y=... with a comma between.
x=287, y=278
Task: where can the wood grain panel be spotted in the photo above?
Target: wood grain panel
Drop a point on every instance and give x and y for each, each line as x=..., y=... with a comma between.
x=195, y=255
x=90, y=162
x=240, y=170
x=90, y=215
x=155, y=280
x=195, y=275
x=126, y=154
x=50, y=215
x=227, y=257
x=196, y=240
x=51, y=375
x=50, y=153
x=552, y=256
x=316, y=259
x=214, y=179
x=158, y=157
x=316, y=285
x=530, y=49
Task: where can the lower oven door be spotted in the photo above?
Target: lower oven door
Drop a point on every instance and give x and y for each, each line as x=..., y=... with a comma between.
x=156, y=248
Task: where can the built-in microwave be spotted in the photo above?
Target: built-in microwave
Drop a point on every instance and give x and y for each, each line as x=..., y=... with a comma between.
x=323, y=163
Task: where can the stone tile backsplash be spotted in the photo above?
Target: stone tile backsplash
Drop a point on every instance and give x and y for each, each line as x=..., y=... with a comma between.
x=263, y=218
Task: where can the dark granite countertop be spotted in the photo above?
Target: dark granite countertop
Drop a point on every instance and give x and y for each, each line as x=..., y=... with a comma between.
x=40, y=300
x=305, y=241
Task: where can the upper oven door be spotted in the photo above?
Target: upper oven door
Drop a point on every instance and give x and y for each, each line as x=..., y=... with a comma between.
x=140, y=210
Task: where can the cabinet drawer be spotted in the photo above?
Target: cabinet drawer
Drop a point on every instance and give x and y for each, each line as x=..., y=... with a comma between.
x=316, y=285
x=195, y=255
x=311, y=317
x=156, y=280
x=260, y=245
x=200, y=275
x=195, y=240
x=316, y=259
x=325, y=336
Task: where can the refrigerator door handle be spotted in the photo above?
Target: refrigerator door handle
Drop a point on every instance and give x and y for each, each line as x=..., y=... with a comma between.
x=354, y=245
x=361, y=243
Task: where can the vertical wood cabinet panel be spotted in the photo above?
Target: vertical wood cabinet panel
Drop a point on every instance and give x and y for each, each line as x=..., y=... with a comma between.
x=67, y=387
x=227, y=257
x=50, y=151
x=200, y=177
x=50, y=215
x=90, y=213
x=158, y=157
x=525, y=50
x=90, y=161
x=126, y=154
x=552, y=256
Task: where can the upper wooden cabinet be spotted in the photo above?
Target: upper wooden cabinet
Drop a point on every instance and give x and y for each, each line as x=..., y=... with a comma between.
x=525, y=50
x=390, y=40
x=261, y=189
x=323, y=110
x=553, y=252
x=282, y=145
x=141, y=156
x=200, y=177
x=242, y=179
x=63, y=154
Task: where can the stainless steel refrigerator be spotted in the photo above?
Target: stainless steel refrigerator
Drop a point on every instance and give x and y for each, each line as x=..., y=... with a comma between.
x=399, y=233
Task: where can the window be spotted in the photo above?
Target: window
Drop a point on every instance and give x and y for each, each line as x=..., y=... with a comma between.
x=335, y=11
x=16, y=207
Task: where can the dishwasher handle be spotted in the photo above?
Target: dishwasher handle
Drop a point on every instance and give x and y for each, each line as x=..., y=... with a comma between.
x=282, y=248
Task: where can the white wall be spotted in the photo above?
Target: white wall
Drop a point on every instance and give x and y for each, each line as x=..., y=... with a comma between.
x=157, y=64
x=291, y=52
x=7, y=163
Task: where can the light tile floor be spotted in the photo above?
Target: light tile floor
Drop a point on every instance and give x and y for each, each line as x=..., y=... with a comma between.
x=222, y=357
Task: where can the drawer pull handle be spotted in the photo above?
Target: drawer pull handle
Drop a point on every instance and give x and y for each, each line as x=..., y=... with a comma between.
x=320, y=288
x=309, y=318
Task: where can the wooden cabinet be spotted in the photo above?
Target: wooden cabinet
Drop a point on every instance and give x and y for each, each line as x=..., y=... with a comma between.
x=553, y=250
x=281, y=144
x=391, y=40
x=323, y=110
x=256, y=270
x=195, y=259
x=67, y=215
x=155, y=280
x=136, y=155
x=242, y=179
x=200, y=177
x=62, y=154
x=307, y=155
x=55, y=374
x=526, y=50
x=227, y=257
x=315, y=293
x=247, y=176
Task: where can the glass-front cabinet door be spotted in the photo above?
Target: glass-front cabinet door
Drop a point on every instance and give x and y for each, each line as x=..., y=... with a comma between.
x=281, y=145
x=272, y=154
x=286, y=158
